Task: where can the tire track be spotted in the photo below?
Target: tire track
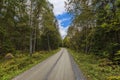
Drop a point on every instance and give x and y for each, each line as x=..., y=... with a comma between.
x=46, y=77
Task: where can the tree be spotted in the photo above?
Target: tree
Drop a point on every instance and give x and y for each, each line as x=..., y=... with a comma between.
x=22, y=25
x=95, y=23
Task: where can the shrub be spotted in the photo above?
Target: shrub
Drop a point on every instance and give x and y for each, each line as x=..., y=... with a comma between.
x=113, y=78
x=117, y=57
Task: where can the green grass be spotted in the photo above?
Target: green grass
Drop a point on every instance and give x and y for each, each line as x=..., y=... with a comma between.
x=95, y=68
x=20, y=63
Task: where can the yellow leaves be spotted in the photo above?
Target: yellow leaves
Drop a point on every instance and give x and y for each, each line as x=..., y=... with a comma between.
x=104, y=25
x=113, y=78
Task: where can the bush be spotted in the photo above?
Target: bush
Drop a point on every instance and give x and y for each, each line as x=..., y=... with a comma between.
x=113, y=78
x=117, y=57
x=7, y=47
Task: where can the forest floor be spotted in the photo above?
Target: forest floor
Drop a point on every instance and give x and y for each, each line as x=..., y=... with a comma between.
x=21, y=62
x=95, y=68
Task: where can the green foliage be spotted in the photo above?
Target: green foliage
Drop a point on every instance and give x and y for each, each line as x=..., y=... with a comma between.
x=21, y=23
x=96, y=28
x=21, y=62
x=66, y=42
x=116, y=57
x=13, y=25
x=113, y=78
x=96, y=68
x=7, y=46
x=50, y=39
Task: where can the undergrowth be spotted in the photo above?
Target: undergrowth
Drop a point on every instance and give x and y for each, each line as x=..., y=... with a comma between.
x=95, y=68
x=21, y=62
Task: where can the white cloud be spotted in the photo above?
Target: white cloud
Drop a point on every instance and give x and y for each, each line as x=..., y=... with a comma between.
x=59, y=6
x=63, y=30
x=59, y=9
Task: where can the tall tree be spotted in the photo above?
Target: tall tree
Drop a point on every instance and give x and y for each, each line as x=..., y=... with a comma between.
x=97, y=22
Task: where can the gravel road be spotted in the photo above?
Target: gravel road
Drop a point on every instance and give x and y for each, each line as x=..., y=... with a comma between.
x=60, y=66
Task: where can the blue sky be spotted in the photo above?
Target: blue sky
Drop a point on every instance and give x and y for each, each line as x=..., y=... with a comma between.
x=63, y=17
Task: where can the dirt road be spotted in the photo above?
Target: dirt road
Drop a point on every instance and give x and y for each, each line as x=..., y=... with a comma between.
x=60, y=66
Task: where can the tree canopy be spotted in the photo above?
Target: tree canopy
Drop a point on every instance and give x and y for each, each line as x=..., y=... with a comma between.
x=96, y=27
x=27, y=25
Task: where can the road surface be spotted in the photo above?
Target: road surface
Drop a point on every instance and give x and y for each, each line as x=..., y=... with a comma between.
x=60, y=66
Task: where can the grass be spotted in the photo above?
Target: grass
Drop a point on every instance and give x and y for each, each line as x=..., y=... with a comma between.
x=20, y=63
x=95, y=68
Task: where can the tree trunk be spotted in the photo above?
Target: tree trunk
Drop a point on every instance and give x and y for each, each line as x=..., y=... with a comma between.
x=31, y=31
x=48, y=43
x=34, y=41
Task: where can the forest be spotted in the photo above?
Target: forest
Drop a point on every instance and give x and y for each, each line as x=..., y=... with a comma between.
x=94, y=37
x=95, y=28
x=29, y=34
x=27, y=26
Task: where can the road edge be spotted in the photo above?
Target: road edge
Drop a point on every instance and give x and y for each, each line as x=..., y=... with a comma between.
x=78, y=74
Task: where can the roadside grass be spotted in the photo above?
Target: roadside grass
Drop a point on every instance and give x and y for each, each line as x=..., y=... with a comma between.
x=21, y=62
x=95, y=68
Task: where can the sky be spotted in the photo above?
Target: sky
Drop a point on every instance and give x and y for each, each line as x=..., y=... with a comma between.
x=63, y=17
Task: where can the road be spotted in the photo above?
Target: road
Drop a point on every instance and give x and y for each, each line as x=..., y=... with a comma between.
x=60, y=66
